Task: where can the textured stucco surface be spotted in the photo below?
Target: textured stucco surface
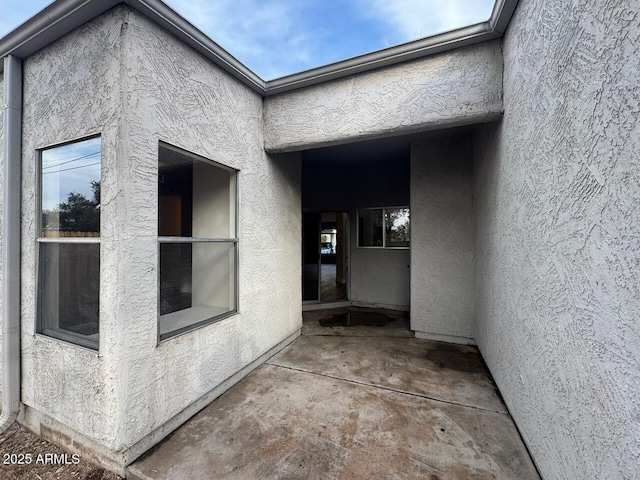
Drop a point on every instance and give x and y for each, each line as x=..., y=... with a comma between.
x=379, y=276
x=71, y=90
x=557, y=191
x=460, y=87
x=124, y=78
x=442, y=237
x=557, y=293
x=174, y=95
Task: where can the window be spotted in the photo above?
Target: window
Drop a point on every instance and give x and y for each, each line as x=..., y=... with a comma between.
x=197, y=241
x=69, y=242
x=384, y=227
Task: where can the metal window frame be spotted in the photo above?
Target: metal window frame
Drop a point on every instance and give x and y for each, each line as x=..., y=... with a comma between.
x=62, y=335
x=181, y=240
x=384, y=224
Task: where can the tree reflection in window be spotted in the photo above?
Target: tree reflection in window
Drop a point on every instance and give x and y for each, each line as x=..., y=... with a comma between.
x=388, y=227
x=71, y=190
x=77, y=214
x=397, y=227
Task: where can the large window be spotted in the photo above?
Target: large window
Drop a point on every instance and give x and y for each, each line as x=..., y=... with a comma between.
x=384, y=227
x=69, y=242
x=197, y=241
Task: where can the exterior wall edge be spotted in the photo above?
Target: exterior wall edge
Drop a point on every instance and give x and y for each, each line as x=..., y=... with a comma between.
x=117, y=461
x=437, y=337
x=492, y=113
x=144, y=444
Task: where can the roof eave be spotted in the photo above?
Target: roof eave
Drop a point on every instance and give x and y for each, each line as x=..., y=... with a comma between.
x=49, y=25
x=383, y=58
x=64, y=16
x=166, y=17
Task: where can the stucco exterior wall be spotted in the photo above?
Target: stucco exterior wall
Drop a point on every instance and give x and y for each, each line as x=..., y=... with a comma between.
x=72, y=90
x=558, y=236
x=122, y=77
x=442, y=239
x=460, y=87
x=172, y=94
x=379, y=276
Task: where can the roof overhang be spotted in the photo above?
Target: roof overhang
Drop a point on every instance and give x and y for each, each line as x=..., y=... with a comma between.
x=64, y=16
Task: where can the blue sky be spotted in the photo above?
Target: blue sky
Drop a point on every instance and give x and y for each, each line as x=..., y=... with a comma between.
x=70, y=168
x=279, y=37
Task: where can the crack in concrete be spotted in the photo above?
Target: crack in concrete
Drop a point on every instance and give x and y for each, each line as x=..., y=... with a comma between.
x=388, y=389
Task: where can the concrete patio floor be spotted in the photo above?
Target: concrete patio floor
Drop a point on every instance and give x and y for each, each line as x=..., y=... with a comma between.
x=361, y=401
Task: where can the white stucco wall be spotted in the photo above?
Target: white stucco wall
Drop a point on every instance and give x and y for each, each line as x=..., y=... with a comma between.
x=379, y=276
x=442, y=239
x=557, y=189
x=173, y=94
x=72, y=89
x=126, y=79
x=459, y=87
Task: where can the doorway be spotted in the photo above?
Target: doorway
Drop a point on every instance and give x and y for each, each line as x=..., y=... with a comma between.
x=325, y=256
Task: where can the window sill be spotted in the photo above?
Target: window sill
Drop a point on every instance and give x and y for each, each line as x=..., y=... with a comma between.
x=88, y=343
x=178, y=323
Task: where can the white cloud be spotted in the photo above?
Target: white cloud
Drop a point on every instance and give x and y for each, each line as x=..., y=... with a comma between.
x=263, y=34
x=279, y=37
x=412, y=19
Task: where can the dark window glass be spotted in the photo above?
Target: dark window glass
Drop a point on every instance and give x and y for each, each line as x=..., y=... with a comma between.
x=384, y=227
x=197, y=284
x=196, y=230
x=370, y=228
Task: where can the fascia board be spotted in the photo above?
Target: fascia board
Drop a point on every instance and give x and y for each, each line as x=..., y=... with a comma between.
x=383, y=58
x=52, y=23
x=501, y=15
x=166, y=17
x=63, y=16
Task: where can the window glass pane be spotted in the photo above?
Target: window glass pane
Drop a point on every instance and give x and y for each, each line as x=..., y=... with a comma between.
x=70, y=196
x=328, y=241
x=176, y=260
x=69, y=291
x=196, y=198
x=197, y=284
x=397, y=227
x=370, y=228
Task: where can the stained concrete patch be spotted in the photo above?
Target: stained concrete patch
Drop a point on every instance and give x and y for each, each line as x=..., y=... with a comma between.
x=349, y=319
x=357, y=322
x=285, y=424
x=452, y=373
